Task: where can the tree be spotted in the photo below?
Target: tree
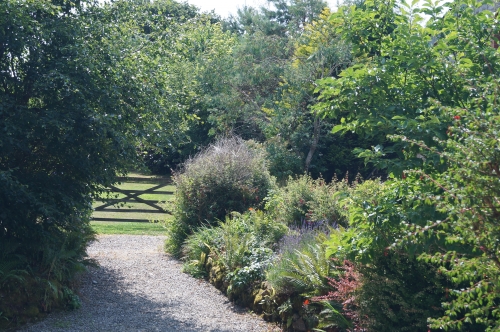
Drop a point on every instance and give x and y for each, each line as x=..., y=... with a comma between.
x=434, y=90
x=318, y=53
x=271, y=90
x=389, y=85
x=77, y=100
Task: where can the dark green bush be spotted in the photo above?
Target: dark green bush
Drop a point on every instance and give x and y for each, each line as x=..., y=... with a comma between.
x=225, y=177
x=399, y=293
x=64, y=136
x=35, y=282
x=283, y=162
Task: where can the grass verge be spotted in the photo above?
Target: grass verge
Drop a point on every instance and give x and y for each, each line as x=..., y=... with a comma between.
x=128, y=228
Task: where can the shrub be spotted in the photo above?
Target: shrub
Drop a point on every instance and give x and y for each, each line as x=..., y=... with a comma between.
x=305, y=199
x=28, y=289
x=242, y=245
x=399, y=293
x=227, y=176
x=396, y=291
x=283, y=162
x=302, y=266
x=341, y=307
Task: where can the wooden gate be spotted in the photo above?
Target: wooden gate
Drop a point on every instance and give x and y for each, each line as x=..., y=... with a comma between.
x=111, y=205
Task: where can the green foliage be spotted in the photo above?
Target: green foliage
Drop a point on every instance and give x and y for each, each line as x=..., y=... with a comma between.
x=302, y=268
x=387, y=71
x=242, y=245
x=466, y=195
x=268, y=97
x=364, y=199
x=28, y=288
x=399, y=293
x=293, y=125
x=252, y=269
x=306, y=200
x=197, y=248
x=80, y=94
x=72, y=300
x=330, y=317
x=340, y=304
x=434, y=89
x=227, y=176
x=11, y=272
x=257, y=63
x=236, y=242
x=283, y=161
x=195, y=70
x=278, y=17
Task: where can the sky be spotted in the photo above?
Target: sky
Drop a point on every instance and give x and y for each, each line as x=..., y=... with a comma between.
x=226, y=7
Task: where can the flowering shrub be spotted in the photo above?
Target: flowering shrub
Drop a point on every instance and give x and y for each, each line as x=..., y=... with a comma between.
x=227, y=176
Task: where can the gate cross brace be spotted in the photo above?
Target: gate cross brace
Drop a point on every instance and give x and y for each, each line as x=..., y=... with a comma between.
x=134, y=196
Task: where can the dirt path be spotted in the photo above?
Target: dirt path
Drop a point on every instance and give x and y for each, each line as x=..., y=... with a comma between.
x=139, y=288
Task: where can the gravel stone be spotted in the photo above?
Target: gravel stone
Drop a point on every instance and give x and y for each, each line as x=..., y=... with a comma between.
x=137, y=287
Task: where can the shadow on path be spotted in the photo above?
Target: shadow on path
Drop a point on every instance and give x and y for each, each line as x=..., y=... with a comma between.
x=152, y=295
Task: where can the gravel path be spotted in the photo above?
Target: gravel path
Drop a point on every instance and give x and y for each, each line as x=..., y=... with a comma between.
x=139, y=288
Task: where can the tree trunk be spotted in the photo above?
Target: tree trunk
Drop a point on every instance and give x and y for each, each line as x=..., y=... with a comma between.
x=315, y=140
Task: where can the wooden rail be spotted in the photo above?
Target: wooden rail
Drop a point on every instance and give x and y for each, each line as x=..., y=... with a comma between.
x=132, y=196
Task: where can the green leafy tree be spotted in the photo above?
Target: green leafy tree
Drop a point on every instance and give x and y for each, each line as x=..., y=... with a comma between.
x=261, y=57
x=434, y=90
x=293, y=122
x=79, y=95
x=196, y=73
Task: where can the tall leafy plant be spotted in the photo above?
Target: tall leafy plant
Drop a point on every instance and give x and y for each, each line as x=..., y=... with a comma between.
x=442, y=204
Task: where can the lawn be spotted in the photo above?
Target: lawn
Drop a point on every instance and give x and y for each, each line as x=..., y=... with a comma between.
x=129, y=228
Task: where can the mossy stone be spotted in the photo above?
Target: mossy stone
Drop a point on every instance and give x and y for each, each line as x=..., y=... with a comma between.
x=261, y=293
x=216, y=276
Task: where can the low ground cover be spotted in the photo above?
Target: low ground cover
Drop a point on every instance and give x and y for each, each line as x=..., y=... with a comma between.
x=127, y=228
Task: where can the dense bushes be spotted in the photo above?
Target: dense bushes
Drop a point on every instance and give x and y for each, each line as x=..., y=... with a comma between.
x=64, y=136
x=263, y=261
x=31, y=284
x=441, y=202
x=286, y=272
x=406, y=291
x=307, y=200
x=419, y=251
x=227, y=176
x=242, y=246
